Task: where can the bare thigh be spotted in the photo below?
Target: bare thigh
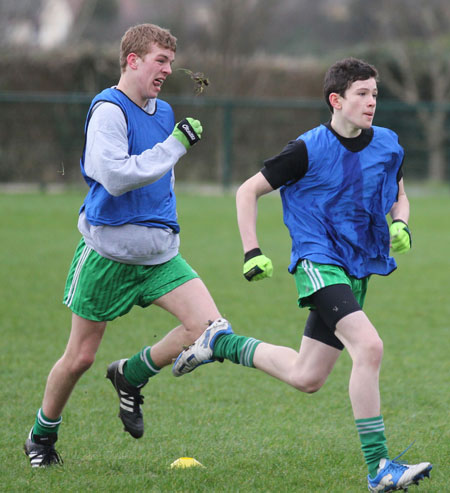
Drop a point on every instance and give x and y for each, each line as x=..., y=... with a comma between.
x=192, y=304
x=314, y=363
x=85, y=338
x=194, y=307
x=359, y=336
x=306, y=370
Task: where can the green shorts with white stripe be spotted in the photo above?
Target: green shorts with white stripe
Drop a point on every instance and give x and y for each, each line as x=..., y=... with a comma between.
x=100, y=289
x=310, y=277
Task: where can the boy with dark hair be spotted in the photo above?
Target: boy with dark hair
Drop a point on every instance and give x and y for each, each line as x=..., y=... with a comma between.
x=337, y=184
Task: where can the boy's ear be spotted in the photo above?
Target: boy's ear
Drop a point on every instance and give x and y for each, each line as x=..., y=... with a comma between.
x=335, y=100
x=132, y=60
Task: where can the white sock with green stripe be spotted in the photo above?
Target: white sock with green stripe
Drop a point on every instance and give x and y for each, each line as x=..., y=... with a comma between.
x=238, y=349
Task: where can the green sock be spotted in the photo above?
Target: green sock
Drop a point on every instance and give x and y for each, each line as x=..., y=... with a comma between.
x=44, y=425
x=373, y=442
x=238, y=349
x=140, y=367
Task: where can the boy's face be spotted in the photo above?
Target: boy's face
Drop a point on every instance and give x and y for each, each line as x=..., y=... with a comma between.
x=359, y=103
x=153, y=69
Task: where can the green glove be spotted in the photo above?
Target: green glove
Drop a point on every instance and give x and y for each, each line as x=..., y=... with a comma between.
x=257, y=266
x=188, y=132
x=400, y=236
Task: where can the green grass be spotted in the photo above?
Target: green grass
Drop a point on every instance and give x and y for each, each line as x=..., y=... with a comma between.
x=253, y=433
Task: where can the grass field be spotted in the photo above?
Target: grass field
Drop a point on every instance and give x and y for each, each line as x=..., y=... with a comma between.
x=252, y=433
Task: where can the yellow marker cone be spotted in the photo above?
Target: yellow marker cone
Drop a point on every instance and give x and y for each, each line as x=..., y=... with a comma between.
x=184, y=462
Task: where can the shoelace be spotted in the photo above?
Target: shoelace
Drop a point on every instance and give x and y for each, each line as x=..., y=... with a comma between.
x=137, y=398
x=50, y=456
x=402, y=453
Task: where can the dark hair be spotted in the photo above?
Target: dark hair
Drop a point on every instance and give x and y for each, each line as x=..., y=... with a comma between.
x=341, y=75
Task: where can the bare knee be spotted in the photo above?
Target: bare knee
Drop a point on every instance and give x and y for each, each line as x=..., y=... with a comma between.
x=307, y=384
x=194, y=329
x=84, y=340
x=370, y=353
x=84, y=362
x=375, y=351
x=80, y=363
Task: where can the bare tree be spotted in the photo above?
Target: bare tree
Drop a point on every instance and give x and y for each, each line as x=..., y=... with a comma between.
x=412, y=50
x=223, y=34
x=19, y=21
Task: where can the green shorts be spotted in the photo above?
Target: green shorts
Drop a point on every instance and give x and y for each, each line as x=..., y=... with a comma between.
x=100, y=289
x=311, y=276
